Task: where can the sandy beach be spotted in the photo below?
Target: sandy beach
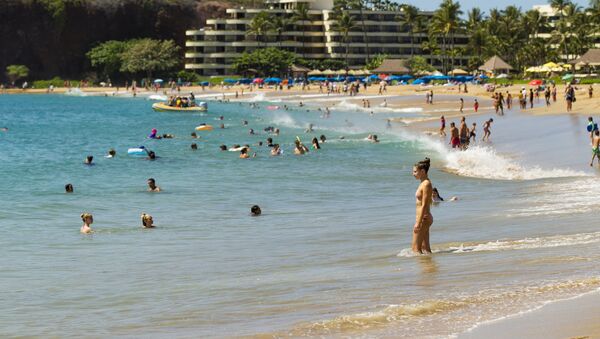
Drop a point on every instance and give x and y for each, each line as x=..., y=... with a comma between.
x=572, y=318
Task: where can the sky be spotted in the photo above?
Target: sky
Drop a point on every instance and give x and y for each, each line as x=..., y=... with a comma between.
x=486, y=5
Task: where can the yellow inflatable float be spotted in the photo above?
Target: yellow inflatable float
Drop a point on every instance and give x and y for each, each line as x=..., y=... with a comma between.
x=163, y=107
x=204, y=127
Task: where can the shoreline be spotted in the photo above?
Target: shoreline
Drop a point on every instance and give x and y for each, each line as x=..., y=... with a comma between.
x=583, y=105
x=576, y=317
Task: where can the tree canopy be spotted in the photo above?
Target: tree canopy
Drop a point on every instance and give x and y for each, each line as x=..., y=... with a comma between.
x=266, y=61
x=146, y=56
x=16, y=72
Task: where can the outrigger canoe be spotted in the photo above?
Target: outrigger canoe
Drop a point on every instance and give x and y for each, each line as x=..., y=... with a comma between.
x=162, y=107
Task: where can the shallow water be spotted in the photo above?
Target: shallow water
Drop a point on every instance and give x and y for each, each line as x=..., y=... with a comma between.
x=329, y=254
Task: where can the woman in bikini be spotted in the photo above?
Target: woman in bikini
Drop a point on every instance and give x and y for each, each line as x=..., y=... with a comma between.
x=424, y=219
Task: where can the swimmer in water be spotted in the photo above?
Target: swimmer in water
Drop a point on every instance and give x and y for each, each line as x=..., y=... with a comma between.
x=194, y=146
x=315, y=143
x=323, y=138
x=255, y=211
x=309, y=129
x=276, y=131
x=68, y=188
x=88, y=220
x=245, y=123
x=251, y=131
x=111, y=153
x=3, y=129
x=275, y=150
x=151, y=155
x=424, y=197
x=152, y=185
x=194, y=135
x=270, y=142
x=299, y=148
x=244, y=153
x=436, y=198
x=222, y=126
x=89, y=160
x=147, y=221
x=153, y=134
x=223, y=147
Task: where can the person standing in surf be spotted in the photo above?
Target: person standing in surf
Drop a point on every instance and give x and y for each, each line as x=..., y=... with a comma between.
x=424, y=197
x=443, y=126
x=595, y=147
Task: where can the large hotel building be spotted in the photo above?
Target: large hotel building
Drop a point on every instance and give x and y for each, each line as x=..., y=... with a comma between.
x=211, y=50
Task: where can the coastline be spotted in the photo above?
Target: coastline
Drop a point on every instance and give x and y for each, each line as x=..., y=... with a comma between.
x=577, y=317
x=584, y=104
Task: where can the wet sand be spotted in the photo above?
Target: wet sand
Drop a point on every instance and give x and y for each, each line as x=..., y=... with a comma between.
x=574, y=318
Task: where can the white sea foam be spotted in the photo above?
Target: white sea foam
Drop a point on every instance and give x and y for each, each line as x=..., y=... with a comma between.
x=157, y=97
x=260, y=96
x=520, y=244
x=75, y=92
x=556, y=198
x=484, y=162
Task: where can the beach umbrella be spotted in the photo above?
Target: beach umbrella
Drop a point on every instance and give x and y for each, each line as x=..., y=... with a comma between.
x=328, y=72
x=551, y=65
x=535, y=82
x=158, y=81
x=459, y=71
x=437, y=73
x=258, y=81
x=273, y=80
x=315, y=72
x=568, y=77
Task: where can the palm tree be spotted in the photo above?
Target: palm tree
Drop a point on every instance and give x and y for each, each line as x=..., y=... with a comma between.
x=301, y=14
x=259, y=26
x=560, y=5
x=360, y=6
x=475, y=18
x=409, y=19
x=279, y=25
x=344, y=24
x=446, y=22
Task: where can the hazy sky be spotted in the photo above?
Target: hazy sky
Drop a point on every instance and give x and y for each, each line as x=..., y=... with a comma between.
x=486, y=5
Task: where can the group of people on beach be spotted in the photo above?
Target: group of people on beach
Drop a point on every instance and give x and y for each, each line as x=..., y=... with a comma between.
x=461, y=137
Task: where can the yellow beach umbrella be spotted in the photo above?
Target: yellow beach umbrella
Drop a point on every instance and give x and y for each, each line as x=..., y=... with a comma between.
x=315, y=72
x=459, y=71
x=328, y=72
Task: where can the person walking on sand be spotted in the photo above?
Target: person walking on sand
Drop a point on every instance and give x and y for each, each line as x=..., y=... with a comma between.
x=462, y=104
x=595, y=147
x=531, y=97
x=454, y=139
x=570, y=97
x=443, y=126
x=547, y=95
x=431, y=97
x=591, y=91
x=424, y=197
x=476, y=106
x=486, y=130
x=508, y=100
x=553, y=92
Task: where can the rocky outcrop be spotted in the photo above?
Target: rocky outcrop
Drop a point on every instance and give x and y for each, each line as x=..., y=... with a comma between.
x=52, y=37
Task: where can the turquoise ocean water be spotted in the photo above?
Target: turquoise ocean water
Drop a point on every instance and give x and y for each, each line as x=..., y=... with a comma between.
x=328, y=257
